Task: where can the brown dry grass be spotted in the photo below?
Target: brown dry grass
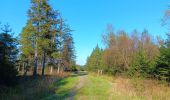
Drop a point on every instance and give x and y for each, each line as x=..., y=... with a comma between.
x=135, y=88
x=31, y=89
x=140, y=89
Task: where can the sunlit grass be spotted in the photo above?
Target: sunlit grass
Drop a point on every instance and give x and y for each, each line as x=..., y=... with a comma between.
x=66, y=86
x=63, y=88
x=95, y=88
x=117, y=88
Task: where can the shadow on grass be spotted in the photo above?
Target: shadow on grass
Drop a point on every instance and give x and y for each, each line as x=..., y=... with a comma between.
x=79, y=73
x=65, y=88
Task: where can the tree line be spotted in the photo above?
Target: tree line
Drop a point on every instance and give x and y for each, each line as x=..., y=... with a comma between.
x=135, y=54
x=46, y=40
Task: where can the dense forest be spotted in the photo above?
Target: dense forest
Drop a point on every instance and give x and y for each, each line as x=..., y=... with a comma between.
x=41, y=60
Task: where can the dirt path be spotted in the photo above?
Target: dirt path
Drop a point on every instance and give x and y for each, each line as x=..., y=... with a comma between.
x=79, y=85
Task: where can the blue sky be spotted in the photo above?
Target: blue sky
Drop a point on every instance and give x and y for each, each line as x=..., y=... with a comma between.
x=89, y=18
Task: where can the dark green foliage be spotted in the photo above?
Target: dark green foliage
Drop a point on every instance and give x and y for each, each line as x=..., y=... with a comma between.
x=112, y=71
x=162, y=70
x=7, y=73
x=94, y=62
x=140, y=67
x=8, y=54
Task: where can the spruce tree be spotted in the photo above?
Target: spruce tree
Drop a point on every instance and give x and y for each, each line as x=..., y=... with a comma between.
x=162, y=70
x=94, y=61
x=8, y=55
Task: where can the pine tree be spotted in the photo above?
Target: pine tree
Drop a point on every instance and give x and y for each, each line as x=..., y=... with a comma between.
x=40, y=32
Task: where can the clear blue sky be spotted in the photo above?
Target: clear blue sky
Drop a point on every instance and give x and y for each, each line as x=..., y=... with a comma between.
x=89, y=18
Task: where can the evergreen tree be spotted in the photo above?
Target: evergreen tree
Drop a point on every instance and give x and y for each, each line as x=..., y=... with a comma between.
x=94, y=62
x=42, y=28
x=162, y=70
x=140, y=67
x=27, y=46
x=68, y=51
x=8, y=54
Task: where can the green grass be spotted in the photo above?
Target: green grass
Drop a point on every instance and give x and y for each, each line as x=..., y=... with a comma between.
x=66, y=86
x=80, y=86
x=117, y=88
x=95, y=88
x=63, y=88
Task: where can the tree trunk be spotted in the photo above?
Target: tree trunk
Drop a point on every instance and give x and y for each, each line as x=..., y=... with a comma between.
x=43, y=65
x=101, y=72
x=58, y=71
x=51, y=69
x=98, y=71
x=26, y=70
x=35, y=62
x=23, y=68
x=18, y=68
